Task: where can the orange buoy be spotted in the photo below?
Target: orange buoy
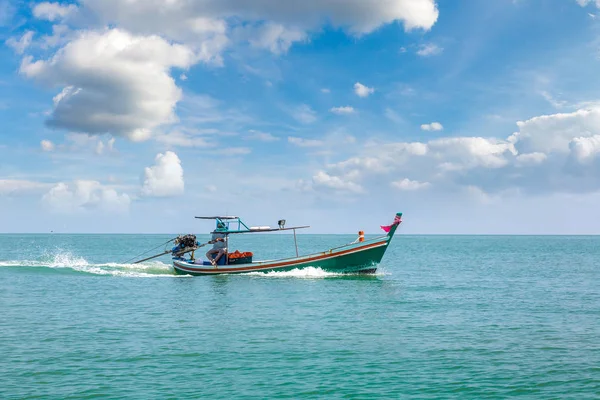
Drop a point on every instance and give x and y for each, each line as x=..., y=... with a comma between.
x=361, y=236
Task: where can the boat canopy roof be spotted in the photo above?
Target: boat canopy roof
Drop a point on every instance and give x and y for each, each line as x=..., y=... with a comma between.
x=226, y=217
x=230, y=224
x=263, y=229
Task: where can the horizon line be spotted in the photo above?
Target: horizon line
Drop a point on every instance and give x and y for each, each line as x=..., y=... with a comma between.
x=305, y=234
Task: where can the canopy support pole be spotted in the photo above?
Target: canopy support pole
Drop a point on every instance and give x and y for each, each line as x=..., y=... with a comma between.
x=295, y=243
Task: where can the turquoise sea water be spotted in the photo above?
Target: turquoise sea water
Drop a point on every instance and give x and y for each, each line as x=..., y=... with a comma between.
x=464, y=317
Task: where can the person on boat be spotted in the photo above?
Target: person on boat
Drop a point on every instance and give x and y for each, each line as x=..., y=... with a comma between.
x=219, y=245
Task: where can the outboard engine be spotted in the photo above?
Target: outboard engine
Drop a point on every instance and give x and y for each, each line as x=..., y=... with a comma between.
x=184, y=242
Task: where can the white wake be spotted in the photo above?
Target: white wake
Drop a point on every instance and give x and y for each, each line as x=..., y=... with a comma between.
x=76, y=263
x=308, y=272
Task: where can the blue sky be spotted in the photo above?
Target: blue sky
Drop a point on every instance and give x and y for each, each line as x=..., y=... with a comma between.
x=469, y=117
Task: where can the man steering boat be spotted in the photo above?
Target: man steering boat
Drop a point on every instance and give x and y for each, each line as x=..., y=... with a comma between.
x=219, y=242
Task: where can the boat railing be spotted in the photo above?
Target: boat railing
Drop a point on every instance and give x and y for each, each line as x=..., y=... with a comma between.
x=355, y=242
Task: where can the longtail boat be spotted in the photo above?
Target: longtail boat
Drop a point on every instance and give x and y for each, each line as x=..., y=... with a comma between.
x=361, y=256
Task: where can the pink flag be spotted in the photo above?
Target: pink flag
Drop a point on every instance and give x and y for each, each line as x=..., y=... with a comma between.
x=397, y=221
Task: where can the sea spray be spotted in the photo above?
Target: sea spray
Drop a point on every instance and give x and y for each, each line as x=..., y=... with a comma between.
x=61, y=259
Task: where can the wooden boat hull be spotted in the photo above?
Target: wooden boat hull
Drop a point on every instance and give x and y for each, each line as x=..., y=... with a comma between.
x=362, y=257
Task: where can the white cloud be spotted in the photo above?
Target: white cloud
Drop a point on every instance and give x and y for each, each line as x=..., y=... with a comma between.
x=362, y=90
x=408, y=185
x=275, y=37
x=342, y=110
x=429, y=49
x=117, y=80
x=434, y=126
x=305, y=114
x=552, y=153
x=53, y=11
x=85, y=195
x=322, y=179
x=165, y=177
x=21, y=44
x=325, y=90
x=553, y=133
x=585, y=148
x=9, y=187
x=370, y=164
x=47, y=145
x=188, y=23
x=437, y=160
x=113, y=83
x=471, y=152
x=301, y=142
x=178, y=19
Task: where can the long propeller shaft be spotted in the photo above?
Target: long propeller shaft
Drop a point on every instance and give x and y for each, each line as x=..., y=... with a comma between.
x=150, y=258
x=176, y=253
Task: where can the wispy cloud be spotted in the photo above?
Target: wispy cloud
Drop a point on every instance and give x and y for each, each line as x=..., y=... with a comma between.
x=556, y=103
x=52, y=11
x=408, y=185
x=429, y=49
x=7, y=12
x=342, y=110
x=393, y=116
x=302, y=142
x=181, y=139
x=21, y=44
x=17, y=187
x=304, y=114
x=232, y=151
x=262, y=136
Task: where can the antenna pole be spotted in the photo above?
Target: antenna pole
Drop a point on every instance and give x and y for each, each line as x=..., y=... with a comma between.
x=296, y=242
